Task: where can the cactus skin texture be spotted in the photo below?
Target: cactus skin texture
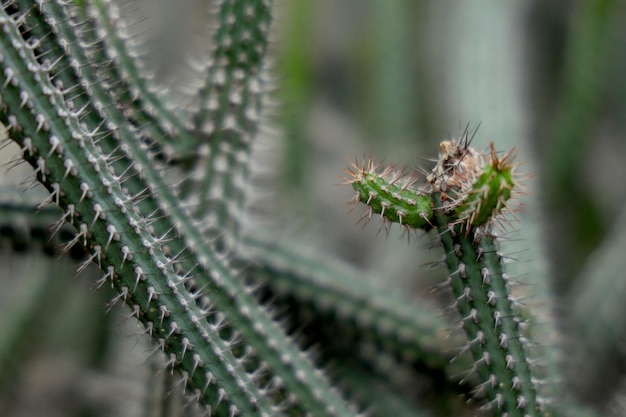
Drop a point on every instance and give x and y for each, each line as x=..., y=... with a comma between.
x=494, y=330
x=468, y=195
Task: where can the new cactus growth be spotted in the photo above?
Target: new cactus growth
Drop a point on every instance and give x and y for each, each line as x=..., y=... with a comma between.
x=474, y=188
x=464, y=196
x=389, y=193
x=485, y=189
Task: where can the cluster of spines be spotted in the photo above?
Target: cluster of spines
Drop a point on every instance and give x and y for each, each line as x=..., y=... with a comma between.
x=130, y=234
x=489, y=195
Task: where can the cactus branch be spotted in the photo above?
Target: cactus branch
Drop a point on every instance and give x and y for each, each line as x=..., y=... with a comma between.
x=467, y=195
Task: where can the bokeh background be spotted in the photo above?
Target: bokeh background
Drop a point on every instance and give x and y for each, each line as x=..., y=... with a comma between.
x=390, y=79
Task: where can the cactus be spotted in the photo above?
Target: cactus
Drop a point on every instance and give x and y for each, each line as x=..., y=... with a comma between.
x=465, y=196
x=153, y=193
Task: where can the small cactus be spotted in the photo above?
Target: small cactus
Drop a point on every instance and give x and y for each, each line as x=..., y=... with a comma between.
x=465, y=197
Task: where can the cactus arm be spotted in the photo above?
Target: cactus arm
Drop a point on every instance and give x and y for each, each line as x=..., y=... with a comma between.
x=388, y=192
x=238, y=57
x=120, y=49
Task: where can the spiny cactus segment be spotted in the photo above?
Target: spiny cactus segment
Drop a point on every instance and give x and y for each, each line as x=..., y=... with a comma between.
x=487, y=194
x=475, y=188
x=390, y=192
x=464, y=196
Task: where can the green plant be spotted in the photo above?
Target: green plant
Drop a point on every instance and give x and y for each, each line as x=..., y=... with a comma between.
x=465, y=197
x=156, y=197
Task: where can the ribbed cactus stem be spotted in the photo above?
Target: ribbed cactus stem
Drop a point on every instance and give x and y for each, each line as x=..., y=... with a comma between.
x=494, y=329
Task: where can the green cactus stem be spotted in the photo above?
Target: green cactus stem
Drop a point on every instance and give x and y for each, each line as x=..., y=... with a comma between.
x=490, y=191
x=389, y=192
x=467, y=195
x=494, y=328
